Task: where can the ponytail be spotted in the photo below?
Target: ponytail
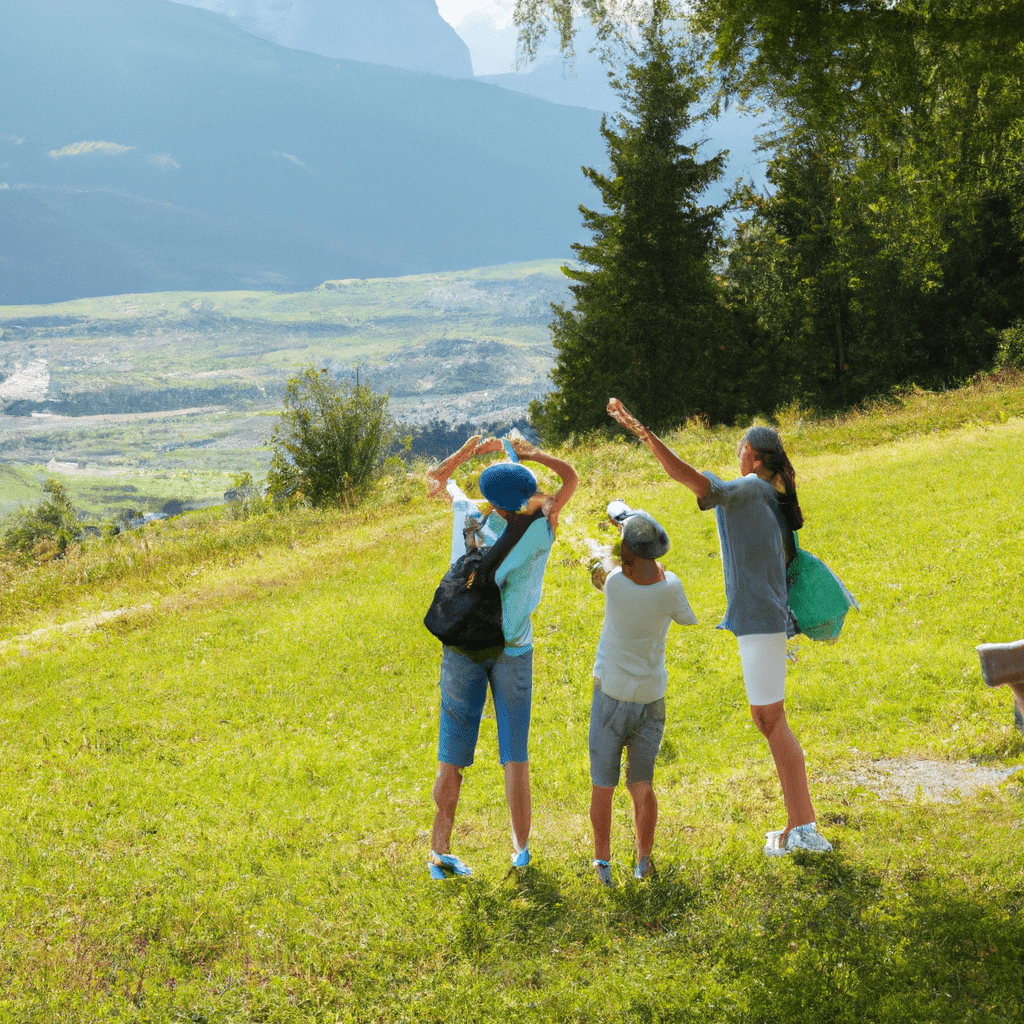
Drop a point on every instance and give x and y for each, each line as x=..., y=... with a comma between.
x=781, y=469
x=768, y=445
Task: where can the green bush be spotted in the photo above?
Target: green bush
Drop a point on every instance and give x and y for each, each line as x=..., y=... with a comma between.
x=246, y=497
x=46, y=530
x=331, y=441
x=1011, y=347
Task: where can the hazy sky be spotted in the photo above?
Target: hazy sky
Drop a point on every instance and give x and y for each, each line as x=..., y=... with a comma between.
x=453, y=11
x=487, y=29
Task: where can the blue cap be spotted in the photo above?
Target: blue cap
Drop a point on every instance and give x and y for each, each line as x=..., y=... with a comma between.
x=508, y=485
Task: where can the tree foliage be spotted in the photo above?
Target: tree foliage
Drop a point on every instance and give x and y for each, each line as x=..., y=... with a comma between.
x=895, y=216
x=647, y=323
x=890, y=244
x=47, y=529
x=331, y=440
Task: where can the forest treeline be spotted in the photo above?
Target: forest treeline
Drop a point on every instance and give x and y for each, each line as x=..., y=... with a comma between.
x=886, y=247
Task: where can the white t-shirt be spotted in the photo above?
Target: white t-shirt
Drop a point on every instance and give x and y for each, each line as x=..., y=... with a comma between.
x=630, y=658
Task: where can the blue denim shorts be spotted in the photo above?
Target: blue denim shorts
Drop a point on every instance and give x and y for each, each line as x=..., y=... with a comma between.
x=617, y=725
x=464, y=684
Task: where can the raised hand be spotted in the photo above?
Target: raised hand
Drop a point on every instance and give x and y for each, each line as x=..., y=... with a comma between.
x=437, y=480
x=626, y=419
x=491, y=444
x=523, y=448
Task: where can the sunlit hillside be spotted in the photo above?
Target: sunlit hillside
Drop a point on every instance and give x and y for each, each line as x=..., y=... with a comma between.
x=220, y=735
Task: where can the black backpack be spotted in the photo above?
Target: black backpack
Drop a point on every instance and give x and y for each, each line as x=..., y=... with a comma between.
x=466, y=610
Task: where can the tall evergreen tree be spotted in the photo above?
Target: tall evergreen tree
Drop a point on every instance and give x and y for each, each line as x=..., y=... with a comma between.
x=647, y=323
x=890, y=244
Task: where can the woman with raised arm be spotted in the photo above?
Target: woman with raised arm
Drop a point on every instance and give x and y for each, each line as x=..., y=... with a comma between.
x=511, y=490
x=757, y=516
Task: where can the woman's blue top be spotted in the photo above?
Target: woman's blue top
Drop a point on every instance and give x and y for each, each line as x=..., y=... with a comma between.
x=750, y=531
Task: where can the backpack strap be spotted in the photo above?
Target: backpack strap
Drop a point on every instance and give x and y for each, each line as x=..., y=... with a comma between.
x=510, y=536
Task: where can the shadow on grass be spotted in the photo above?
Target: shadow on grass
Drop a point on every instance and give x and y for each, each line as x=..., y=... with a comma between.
x=838, y=942
x=813, y=938
x=524, y=907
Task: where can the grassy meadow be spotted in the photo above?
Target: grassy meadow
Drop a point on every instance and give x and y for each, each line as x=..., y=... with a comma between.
x=219, y=738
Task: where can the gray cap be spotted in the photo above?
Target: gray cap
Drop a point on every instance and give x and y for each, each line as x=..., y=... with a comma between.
x=764, y=439
x=644, y=535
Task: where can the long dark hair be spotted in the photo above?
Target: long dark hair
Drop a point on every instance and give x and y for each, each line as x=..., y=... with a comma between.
x=774, y=459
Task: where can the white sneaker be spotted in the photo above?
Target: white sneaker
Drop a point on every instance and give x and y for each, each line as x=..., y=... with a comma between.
x=803, y=837
x=771, y=843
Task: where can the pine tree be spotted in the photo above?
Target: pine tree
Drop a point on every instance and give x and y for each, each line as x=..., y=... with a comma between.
x=648, y=322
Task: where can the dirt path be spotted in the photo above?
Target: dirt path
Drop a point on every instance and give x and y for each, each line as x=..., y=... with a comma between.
x=76, y=626
x=944, y=782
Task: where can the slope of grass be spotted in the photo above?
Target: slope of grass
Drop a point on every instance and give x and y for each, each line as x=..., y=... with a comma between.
x=215, y=808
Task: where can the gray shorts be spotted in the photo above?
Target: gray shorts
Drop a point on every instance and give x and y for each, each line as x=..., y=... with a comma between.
x=616, y=725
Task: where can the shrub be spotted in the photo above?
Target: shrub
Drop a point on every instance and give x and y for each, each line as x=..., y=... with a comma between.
x=245, y=497
x=331, y=441
x=1011, y=347
x=46, y=530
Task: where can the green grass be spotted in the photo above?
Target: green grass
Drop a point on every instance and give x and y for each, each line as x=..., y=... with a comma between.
x=216, y=808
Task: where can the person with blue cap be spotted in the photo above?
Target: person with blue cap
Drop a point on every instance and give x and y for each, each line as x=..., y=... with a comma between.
x=510, y=488
x=627, y=712
x=756, y=517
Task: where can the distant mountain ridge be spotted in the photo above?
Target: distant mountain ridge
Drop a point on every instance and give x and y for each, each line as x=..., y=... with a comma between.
x=146, y=145
x=407, y=34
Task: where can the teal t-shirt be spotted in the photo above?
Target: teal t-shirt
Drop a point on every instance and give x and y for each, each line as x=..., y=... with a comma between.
x=520, y=577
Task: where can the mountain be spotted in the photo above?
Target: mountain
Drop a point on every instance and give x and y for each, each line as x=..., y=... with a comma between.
x=407, y=34
x=584, y=82
x=146, y=145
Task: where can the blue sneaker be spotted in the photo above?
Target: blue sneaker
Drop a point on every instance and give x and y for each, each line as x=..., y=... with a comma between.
x=644, y=868
x=439, y=864
x=521, y=859
x=603, y=870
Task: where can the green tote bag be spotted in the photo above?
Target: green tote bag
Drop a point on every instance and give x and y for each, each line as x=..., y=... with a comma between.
x=818, y=600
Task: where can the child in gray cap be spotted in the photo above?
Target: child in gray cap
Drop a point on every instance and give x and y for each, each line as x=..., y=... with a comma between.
x=642, y=599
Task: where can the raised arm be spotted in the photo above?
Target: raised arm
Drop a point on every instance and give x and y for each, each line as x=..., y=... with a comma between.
x=529, y=453
x=680, y=471
x=437, y=479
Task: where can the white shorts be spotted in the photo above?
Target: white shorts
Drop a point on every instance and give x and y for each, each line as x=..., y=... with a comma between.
x=763, y=656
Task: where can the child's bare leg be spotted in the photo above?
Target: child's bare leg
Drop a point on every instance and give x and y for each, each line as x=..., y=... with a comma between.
x=601, y=820
x=645, y=817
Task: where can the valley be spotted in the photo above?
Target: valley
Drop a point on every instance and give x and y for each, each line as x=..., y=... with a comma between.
x=126, y=389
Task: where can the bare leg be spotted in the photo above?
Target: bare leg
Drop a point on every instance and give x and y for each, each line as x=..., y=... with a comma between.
x=645, y=817
x=517, y=793
x=601, y=820
x=789, y=762
x=446, y=789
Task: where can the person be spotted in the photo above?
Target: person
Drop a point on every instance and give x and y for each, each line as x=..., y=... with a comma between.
x=756, y=517
x=627, y=712
x=511, y=490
